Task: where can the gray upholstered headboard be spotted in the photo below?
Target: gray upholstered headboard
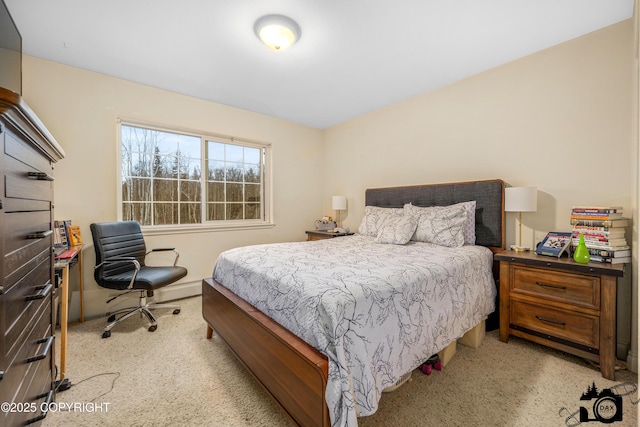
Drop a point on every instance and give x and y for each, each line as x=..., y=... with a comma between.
x=489, y=197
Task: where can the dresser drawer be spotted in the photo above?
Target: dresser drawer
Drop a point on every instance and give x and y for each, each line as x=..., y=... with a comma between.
x=37, y=397
x=35, y=389
x=24, y=182
x=568, y=288
x=36, y=348
x=25, y=153
x=571, y=326
x=41, y=392
x=21, y=302
x=23, y=227
x=29, y=235
x=18, y=265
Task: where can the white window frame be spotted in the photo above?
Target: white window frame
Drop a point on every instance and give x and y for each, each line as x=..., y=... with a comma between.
x=214, y=225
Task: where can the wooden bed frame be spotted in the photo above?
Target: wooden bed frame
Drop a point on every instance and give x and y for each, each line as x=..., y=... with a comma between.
x=293, y=372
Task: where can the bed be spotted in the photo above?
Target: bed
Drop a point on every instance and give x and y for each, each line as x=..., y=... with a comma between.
x=335, y=385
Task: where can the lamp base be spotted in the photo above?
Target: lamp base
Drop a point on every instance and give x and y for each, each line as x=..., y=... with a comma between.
x=519, y=248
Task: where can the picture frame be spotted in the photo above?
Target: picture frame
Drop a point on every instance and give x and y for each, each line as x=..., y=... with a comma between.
x=75, y=238
x=555, y=243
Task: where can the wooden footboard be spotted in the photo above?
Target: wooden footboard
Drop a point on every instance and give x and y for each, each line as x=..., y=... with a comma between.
x=292, y=371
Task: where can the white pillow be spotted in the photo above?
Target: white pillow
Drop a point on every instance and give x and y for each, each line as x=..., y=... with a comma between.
x=470, y=225
x=441, y=225
x=374, y=217
x=397, y=230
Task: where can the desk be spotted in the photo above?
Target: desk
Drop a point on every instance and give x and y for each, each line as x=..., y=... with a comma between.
x=64, y=265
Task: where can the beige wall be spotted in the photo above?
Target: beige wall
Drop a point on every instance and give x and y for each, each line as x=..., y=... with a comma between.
x=80, y=109
x=560, y=120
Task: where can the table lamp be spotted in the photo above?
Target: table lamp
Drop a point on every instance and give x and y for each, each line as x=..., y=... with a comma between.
x=520, y=199
x=339, y=203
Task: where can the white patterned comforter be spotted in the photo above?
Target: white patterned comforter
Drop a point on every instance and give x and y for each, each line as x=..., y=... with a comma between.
x=376, y=311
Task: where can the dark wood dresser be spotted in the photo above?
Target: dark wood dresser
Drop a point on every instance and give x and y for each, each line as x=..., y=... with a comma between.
x=561, y=304
x=27, y=360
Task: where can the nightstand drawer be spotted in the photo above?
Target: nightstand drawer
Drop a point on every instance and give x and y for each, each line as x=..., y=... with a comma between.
x=311, y=237
x=568, y=288
x=571, y=326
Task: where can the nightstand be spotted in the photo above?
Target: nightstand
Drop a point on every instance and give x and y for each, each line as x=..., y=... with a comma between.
x=321, y=235
x=561, y=304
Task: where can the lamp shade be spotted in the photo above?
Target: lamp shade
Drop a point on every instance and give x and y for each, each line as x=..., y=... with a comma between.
x=520, y=199
x=339, y=203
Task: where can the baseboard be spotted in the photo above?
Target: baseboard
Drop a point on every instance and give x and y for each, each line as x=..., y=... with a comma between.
x=632, y=362
x=95, y=299
x=182, y=290
x=622, y=350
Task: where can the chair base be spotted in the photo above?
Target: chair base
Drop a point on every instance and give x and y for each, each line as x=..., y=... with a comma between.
x=142, y=308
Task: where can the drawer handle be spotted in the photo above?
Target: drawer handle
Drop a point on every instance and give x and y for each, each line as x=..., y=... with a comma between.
x=547, y=285
x=45, y=350
x=42, y=293
x=553, y=322
x=40, y=176
x=1, y=375
x=40, y=234
x=44, y=408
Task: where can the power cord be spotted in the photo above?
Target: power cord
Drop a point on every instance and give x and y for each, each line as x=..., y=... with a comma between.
x=113, y=382
x=66, y=384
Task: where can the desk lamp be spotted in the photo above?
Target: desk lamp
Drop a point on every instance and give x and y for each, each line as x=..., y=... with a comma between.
x=520, y=199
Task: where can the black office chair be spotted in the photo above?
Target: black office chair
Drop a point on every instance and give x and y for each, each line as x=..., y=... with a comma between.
x=120, y=264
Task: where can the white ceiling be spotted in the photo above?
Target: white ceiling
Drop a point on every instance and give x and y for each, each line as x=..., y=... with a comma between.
x=354, y=56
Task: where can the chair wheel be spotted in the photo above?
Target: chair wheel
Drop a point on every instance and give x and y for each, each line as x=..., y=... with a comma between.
x=106, y=334
x=111, y=318
x=176, y=311
x=153, y=328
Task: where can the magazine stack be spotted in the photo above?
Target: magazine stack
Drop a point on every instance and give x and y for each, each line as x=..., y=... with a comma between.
x=604, y=230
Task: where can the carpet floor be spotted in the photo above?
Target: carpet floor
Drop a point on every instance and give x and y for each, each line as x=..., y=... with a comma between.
x=176, y=377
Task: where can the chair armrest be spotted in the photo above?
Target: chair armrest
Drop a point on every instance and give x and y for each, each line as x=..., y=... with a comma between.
x=119, y=260
x=175, y=261
x=122, y=260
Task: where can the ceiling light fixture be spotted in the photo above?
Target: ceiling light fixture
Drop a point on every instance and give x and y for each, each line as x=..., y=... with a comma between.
x=276, y=31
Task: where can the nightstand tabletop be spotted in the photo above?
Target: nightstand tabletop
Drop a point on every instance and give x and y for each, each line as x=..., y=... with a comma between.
x=564, y=263
x=325, y=234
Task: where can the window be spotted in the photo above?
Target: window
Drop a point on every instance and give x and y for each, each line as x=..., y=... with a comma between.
x=162, y=181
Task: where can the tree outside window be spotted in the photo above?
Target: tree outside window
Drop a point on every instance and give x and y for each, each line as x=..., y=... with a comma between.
x=162, y=181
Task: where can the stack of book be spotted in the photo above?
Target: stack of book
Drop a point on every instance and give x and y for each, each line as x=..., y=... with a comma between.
x=66, y=234
x=604, y=229
x=60, y=234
